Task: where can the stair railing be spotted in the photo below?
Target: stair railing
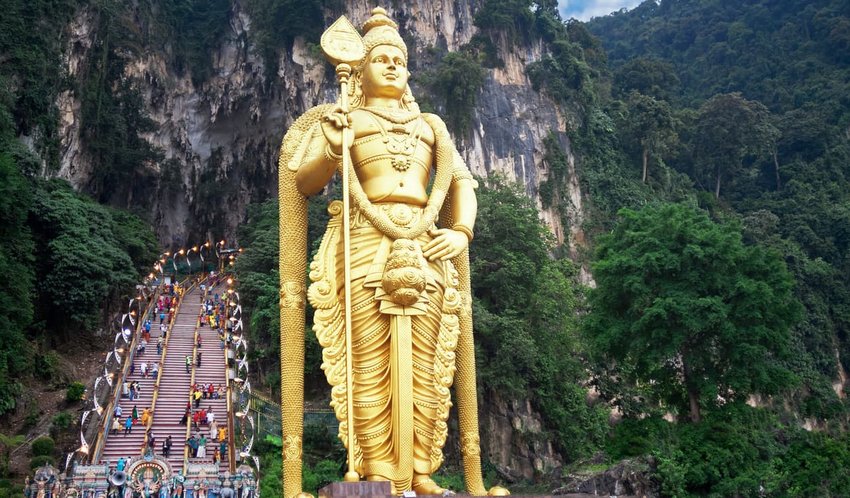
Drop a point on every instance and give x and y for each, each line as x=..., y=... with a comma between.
x=103, y=433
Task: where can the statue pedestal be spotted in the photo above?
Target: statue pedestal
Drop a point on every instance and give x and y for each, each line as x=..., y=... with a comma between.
x=377, y=489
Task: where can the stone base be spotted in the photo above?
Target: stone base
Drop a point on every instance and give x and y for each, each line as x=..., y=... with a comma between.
x=364, y=489
x=376, y=489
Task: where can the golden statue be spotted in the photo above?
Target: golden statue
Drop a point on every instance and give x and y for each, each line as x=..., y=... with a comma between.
x=390, y=289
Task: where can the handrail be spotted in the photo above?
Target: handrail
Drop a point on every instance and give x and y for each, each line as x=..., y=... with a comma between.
x=231, y=438
x=103, y=434
x=155, y=395
x=191, y=383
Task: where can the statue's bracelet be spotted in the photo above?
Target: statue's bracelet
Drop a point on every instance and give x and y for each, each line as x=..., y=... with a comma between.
x=331, y=155
x=464, y=230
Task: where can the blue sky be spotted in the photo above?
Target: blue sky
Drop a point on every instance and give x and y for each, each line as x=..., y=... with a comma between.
x=583, y=10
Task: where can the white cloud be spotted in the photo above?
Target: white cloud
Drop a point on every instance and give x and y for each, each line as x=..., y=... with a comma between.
x=584, y=10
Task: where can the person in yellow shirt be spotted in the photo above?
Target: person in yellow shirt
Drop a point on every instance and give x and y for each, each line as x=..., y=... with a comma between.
x=222, y=434
x=146, y=417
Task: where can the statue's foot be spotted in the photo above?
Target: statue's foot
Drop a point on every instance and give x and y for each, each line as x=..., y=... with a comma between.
x=498, y=491
x=424, y=485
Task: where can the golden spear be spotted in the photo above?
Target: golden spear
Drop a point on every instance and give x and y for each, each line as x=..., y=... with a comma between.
x=344, y=47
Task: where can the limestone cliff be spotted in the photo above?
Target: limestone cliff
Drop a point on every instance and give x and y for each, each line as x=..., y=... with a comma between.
x=227, y=130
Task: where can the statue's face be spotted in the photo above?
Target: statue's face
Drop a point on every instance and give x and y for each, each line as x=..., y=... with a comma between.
x=385, y=72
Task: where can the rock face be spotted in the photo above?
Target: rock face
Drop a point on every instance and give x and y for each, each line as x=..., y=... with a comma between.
x=515, y=441
x=227, y=130
x=629, y=478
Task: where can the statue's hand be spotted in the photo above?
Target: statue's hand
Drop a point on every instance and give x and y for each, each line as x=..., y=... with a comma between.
x=332, y=125
x=446, y=244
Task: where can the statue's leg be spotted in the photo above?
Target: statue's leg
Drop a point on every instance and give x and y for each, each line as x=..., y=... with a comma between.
x=428, y=401
x=371, y=364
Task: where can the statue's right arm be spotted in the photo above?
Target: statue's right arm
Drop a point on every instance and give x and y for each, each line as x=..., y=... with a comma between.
x=316, y=168
x=323, y=152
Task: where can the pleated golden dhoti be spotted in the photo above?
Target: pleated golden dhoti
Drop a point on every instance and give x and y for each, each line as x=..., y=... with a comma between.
x=404, y=332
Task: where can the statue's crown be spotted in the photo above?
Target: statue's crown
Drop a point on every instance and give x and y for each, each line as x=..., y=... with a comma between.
x=379, y=29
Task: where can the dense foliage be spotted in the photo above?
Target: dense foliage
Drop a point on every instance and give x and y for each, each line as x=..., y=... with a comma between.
x=737, y=451
x=687, y=311
x=756, y=93
x=525, y=305
x=454, y=84
x=741, y=108
x=257, y=273
x=278, y=22
x=65, y=259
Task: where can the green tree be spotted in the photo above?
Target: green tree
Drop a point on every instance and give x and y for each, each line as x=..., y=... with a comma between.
x=651, y=124
x=648, y=76
x=694, y=313
x=16, y=266
x=84, y=260
x=730, y=128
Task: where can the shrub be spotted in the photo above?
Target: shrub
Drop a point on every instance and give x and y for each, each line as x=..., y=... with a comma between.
x=43, y=446
x=10, y=491
x=41, y=461
x=62, y=420
x=632, y=437
x=32, y=418
x=75, y=392
x=320, y=475
x=46, y=365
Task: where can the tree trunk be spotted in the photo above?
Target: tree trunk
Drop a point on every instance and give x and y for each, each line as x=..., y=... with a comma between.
x=693, y=400
x=645, y=163
x=693, y=393
x=776, y=170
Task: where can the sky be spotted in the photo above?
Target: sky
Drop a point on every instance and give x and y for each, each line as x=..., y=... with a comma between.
x=583, y=10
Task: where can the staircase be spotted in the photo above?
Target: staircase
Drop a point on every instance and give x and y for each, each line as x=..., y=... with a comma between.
x=174, y=390
x=213, y=370
x=174, y=386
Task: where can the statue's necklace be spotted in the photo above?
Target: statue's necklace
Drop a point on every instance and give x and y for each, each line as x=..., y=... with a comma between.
x=400, y=144
x=396, y=116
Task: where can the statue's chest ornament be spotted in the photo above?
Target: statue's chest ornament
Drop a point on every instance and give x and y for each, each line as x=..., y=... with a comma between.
x=400, y=143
